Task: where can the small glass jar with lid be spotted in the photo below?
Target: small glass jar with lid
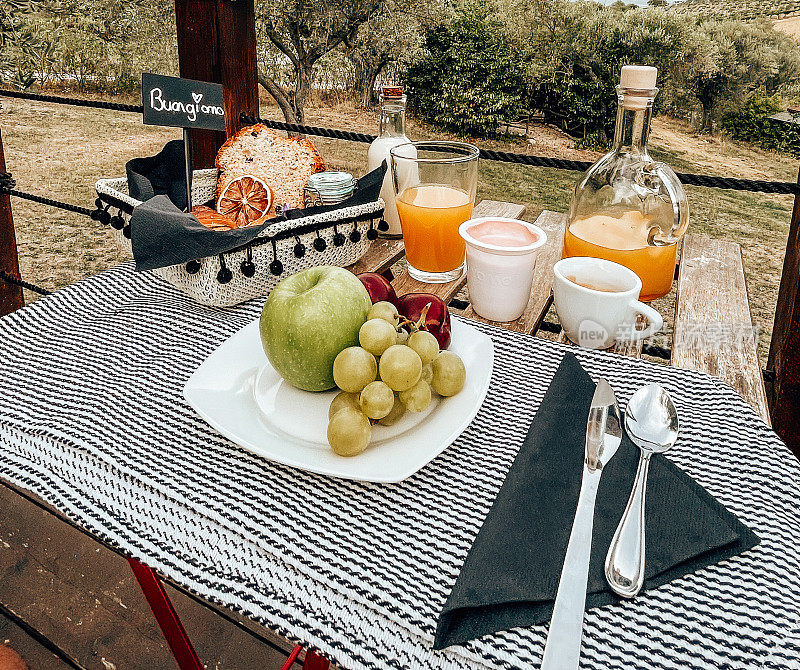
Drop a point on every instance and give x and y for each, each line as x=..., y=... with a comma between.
x=328, y=188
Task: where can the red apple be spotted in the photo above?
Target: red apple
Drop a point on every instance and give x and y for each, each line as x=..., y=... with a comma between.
x=437, y=320
x=378, y=287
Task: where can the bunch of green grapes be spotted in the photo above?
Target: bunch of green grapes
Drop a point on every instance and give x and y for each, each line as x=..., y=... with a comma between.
x=390, y=373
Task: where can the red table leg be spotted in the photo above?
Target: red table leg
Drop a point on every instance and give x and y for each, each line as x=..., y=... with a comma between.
x=313, y=661
x=179, y=643
x=168, y=620
x=292, y=658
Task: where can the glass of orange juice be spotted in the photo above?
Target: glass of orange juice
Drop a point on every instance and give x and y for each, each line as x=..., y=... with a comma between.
x=434, y=184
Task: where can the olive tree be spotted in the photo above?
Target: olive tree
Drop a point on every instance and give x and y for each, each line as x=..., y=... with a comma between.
x=302, y=32
x=17, y=43
x=743, y=57
x=394, y=36
x=574, y=53
x=103, y=44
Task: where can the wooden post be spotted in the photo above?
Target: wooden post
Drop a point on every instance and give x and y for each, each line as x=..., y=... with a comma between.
x=784, y=351
x=217, y=42
x=11, y=297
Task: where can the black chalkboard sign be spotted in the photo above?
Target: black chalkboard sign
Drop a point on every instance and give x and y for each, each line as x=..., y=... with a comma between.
x=184, y=103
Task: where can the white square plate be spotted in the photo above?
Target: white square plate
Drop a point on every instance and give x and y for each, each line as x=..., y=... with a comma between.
x=241, y=395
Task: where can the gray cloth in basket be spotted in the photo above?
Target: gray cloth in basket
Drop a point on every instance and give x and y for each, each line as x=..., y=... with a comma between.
x=163, y=235
x=162, y=174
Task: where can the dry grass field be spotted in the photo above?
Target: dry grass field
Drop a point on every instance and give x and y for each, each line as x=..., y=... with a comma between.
x=60, y=151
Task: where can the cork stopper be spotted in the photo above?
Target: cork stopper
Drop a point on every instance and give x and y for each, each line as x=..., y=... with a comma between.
x=392, y=92
x=641, y=77
x=637, y=83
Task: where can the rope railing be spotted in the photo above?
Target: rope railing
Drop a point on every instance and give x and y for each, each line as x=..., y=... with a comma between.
x=77, y=209
x=78, y=102
x=8, y=185
x=16, y=281
x=689, y=179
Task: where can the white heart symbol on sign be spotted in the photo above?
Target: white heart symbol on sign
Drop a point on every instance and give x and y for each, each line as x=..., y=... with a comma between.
x=197, y=97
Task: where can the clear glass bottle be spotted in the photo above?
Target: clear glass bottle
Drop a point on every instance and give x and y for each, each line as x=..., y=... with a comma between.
x=392, y=132
x=627, y=207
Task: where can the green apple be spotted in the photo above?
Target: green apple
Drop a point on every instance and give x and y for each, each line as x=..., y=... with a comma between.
x=308, y=319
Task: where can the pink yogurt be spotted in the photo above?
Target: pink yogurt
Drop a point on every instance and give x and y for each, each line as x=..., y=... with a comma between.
x=503, y=233
x=501, y=259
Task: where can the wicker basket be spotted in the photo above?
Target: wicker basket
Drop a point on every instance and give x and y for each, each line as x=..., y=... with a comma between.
x=251, y=271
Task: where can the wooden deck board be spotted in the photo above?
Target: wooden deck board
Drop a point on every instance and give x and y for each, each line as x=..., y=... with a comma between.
x=404, y=283
x=713, y=326
x=84, y=598
x=34, y=654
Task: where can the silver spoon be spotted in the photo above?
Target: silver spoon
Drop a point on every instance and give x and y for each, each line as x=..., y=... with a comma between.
x=652, y=424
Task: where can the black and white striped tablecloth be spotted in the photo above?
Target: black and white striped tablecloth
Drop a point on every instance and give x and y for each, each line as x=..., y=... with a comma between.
x=93, y=420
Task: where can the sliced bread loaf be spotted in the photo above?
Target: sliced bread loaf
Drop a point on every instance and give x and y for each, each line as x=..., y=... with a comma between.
x=285, y=164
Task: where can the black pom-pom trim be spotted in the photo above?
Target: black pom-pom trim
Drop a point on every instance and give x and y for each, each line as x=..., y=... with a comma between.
x=355, y=236
x=98, y=203
x=117, y=222
x=299, y=250
x=339, y=240
x=276, y=267
x=126, y=231
x=383, y=226
x=372, y=234
x=224, y=276
x=104, y=217
x=95, y=214
x=248, y=268
x=320, y=244
x=193, y=267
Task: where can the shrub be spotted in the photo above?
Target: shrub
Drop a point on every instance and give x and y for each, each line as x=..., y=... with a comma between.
x=468, y=79
x=750, y=122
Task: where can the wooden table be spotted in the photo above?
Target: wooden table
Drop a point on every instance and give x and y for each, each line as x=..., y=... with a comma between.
x=711, y=314
x=713, y=328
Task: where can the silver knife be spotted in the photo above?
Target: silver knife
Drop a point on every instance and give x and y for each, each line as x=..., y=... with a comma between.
x=603, y=436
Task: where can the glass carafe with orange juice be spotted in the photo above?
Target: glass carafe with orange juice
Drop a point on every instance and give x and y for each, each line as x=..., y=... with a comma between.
x=435, y=186
x=628, y=207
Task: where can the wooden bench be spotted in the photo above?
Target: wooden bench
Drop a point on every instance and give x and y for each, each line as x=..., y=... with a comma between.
x=713, y=328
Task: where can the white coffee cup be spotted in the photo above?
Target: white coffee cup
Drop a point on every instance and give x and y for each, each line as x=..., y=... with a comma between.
x=594, y=318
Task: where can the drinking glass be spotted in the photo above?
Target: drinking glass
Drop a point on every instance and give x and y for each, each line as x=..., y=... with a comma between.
x=434, y=184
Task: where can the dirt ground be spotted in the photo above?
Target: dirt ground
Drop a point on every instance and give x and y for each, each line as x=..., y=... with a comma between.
x=790, y=26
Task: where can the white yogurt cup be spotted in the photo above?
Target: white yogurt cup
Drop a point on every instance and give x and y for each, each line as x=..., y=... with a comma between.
x=499, y=277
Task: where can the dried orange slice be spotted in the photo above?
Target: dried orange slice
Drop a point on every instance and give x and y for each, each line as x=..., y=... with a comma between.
x=213, y=219
x=246, y=200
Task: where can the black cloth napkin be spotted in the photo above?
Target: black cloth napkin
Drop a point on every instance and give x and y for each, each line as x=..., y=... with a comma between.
x=162, y=234
x=511, y=573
